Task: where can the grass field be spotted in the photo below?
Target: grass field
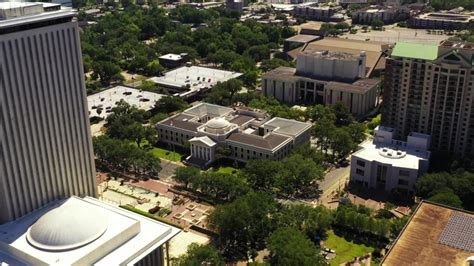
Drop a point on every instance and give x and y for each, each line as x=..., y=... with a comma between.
x=345, y=250
x=162, y=153
x=166, y=154
x=226, y=170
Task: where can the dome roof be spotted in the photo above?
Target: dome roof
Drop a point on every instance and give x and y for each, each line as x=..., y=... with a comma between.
x=217, y=123
x=68, y=226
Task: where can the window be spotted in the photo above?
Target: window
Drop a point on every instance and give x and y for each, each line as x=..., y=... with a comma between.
x=403, y=182
x=360, y=163
x=360, y=172
x=404, y=173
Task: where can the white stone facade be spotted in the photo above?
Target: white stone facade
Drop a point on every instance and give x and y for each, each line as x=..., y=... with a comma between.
x=389, y=164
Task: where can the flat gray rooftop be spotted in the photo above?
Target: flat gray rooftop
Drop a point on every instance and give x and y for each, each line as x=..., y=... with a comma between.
x=20, y=13
x=109, y=98
x=287, y=126
x=195, y=77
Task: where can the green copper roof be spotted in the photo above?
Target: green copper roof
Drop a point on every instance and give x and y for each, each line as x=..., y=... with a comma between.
x=416, y=51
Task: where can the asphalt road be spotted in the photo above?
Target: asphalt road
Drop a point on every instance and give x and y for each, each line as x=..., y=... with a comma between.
x=335, y=179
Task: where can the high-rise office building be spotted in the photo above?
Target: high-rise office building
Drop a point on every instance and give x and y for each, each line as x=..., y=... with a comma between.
x=45, y=142
x=429, y=89
x=46, y=154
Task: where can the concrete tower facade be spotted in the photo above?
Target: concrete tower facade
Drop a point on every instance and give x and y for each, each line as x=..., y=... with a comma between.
x=429, y=89
x=45, y=142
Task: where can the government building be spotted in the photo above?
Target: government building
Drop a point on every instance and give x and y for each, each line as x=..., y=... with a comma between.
x=429, y=89
x=242, y=134
x=48, y=213
x=323, y=77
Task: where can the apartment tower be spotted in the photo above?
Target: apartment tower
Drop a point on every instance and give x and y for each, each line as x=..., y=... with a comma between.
x=429, y=89
x=45, y=142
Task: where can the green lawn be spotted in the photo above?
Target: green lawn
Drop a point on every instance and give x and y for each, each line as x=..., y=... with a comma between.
x=162, y=153
x=166, y=154
x=226, y=170
x=345, y=250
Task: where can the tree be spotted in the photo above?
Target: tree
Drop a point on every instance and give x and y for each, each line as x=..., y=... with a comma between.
x=261, y=174
x=269, y=64
x=153, y=68
x=186, y=175
x=170, y=104
x=341, y=144
x=342, y=113
x=447, y=197
x=107, y=72
x=290, y=247
x=313, y=222
x=323, y=130
x=223, y=92
x=459, y=183
x=122, y=155
x=356, y=132
x=296, y=173
x=377, y=24
x=198, y=255
x=221, y=186
x=244, y=224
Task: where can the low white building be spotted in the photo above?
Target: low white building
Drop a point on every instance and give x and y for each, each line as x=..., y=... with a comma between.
x=187, y=81
x=389, y=164
x=84, y=231
x=244, y=134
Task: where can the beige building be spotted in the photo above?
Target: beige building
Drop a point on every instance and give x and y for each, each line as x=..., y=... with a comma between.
x=84, y=231
x=447, y=21
x=389, y=164
x=323, y=77
x=45, y=136
x=429, y=89
x=435, y=234
x=242, y=134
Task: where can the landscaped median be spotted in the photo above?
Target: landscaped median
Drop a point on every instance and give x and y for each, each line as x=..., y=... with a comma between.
x=149, y=215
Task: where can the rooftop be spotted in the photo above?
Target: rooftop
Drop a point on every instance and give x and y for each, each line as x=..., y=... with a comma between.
x=289, y=74
x=108, y=99
x=81, y=231
x=286, y=126
x=173, y=57
x=395, y=155
x=448, y=16
x=13, y=14
x=194, y=78
x=374, y=50
x=302, y=38
x=424, y=240
x=360, y=85
x=208, y=109
x=269, y=141
x=415, y=51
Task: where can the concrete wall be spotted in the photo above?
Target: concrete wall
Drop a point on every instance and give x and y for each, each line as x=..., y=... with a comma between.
x=45, y=139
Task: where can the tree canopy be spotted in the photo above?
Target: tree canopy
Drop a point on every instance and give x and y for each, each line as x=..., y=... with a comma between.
x=244, y=224
x=198, y=255
x=290, y=247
